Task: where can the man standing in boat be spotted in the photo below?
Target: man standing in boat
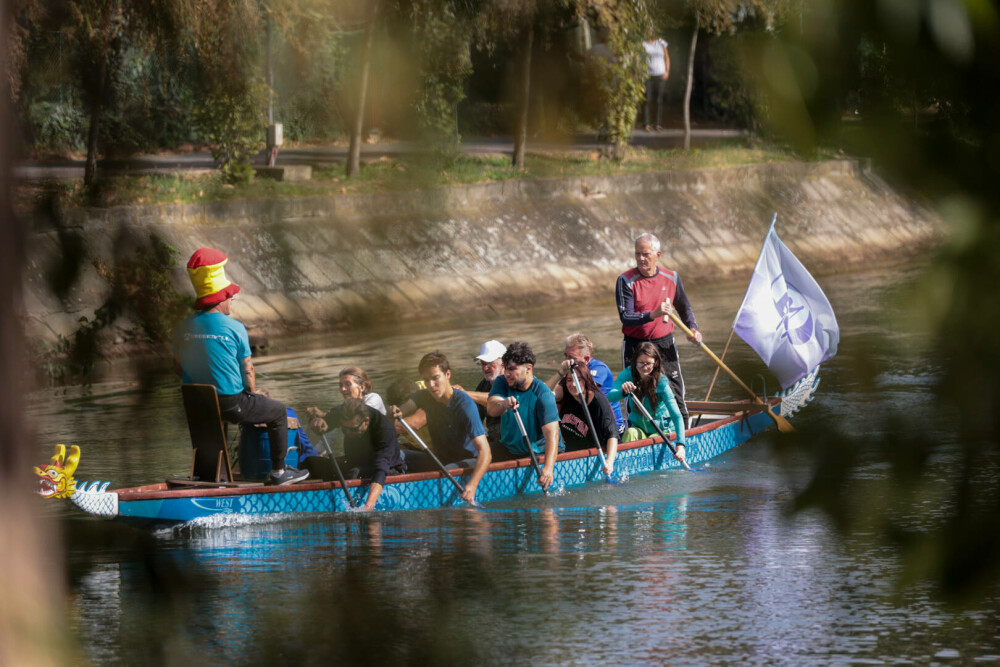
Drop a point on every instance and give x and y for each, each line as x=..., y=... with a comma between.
x=645, y=295
x=457, y=434
x=518, y=389
x=211, y=347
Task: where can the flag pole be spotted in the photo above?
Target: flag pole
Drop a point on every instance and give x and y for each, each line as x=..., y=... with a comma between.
x=760, y=253
x=783, y=424
x=715, y=375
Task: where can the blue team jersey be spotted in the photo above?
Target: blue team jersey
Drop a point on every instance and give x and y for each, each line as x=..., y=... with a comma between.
x=537, y=407
x=605, y=380
x=212, y=347
x=452, y=425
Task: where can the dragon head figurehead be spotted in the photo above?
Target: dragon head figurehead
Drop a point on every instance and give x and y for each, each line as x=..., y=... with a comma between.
x=55, y=480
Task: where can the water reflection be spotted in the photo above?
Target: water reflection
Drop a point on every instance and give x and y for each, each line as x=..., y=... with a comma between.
x=694, y=577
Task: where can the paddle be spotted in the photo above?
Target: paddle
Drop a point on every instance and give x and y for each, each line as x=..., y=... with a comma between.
x=783, y=424
x=527, y=443
x=645, y=413
x=417, y=439
x=715, y=376
x=590, y=420
x=340, y=474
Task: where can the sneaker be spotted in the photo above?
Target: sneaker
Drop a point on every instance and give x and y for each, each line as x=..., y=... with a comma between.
x=286, y=477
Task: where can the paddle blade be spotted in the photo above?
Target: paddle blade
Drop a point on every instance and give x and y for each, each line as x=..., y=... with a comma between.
x=784, y=426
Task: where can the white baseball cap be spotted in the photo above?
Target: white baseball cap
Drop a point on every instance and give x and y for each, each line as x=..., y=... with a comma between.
x=491, y=351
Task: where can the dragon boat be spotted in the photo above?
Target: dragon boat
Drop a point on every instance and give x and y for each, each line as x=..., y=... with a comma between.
x=724, y=426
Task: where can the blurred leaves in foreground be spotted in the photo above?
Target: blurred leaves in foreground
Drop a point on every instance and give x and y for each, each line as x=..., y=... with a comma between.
x=928, y=74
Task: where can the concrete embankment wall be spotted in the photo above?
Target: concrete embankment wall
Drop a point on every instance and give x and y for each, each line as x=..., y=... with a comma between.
x=333, y=262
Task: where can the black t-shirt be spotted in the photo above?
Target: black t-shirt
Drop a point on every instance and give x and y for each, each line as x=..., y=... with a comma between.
x=484, y=386
x=376, y=451
x=492, y=423
x=574, y=427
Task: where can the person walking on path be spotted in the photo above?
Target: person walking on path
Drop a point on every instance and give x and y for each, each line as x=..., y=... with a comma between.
x=658, y=62
x=645, y=295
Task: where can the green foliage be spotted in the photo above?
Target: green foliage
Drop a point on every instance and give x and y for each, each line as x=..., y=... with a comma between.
x=57, y=127
x=310, y=68
x=952, y=159
x=620, y=80
x=731, y=94
x=886, y=86
x=146, y=106
x=152, y=102
x=727, y=16
x=443, y=39
x=233, y=122
x=139, y=287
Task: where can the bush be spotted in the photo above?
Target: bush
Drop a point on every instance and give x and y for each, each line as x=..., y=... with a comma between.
x=58, y=126
x=139, y=286
x=233, y=123
x=728, y=93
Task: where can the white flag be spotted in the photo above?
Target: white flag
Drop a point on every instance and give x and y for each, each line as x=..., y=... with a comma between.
x=785, y=317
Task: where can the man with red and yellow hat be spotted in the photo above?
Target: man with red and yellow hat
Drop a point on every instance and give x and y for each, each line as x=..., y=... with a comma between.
x=210, y=347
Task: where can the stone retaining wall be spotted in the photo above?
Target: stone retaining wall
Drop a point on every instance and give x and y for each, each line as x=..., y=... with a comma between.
x=331, y=262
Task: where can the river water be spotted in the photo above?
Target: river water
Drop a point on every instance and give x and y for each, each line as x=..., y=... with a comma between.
x=668, y=568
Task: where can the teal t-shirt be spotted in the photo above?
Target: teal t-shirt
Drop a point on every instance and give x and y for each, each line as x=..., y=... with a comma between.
x=537, y=407
x=667, y=415
x=212, y=347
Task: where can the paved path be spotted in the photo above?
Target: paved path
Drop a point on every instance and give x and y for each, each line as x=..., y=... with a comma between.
x=325, y=155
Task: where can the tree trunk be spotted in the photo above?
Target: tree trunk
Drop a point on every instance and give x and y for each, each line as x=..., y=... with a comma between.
x=521, y=127
x=97, y=102
x=690, y=84
x=32, y=571
x=354, y=153
x=96, y=106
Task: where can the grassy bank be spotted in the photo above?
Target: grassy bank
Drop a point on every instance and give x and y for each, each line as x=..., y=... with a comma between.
x=394, y=175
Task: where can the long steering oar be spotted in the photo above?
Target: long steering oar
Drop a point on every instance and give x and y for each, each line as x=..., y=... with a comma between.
x=715, y=376
x=590, y=421
x=340, y=474
x=645, y=413
x=417, y=439
x=527, y=443
x=783, y=424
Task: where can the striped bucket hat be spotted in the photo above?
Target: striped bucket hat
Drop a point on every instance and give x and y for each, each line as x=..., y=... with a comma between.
x=206, y=268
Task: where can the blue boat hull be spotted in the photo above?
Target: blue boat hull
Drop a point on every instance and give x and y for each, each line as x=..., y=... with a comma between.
x=571, y=470
x=158, y=504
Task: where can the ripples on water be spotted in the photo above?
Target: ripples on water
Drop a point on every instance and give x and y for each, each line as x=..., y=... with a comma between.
x=668, y=568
